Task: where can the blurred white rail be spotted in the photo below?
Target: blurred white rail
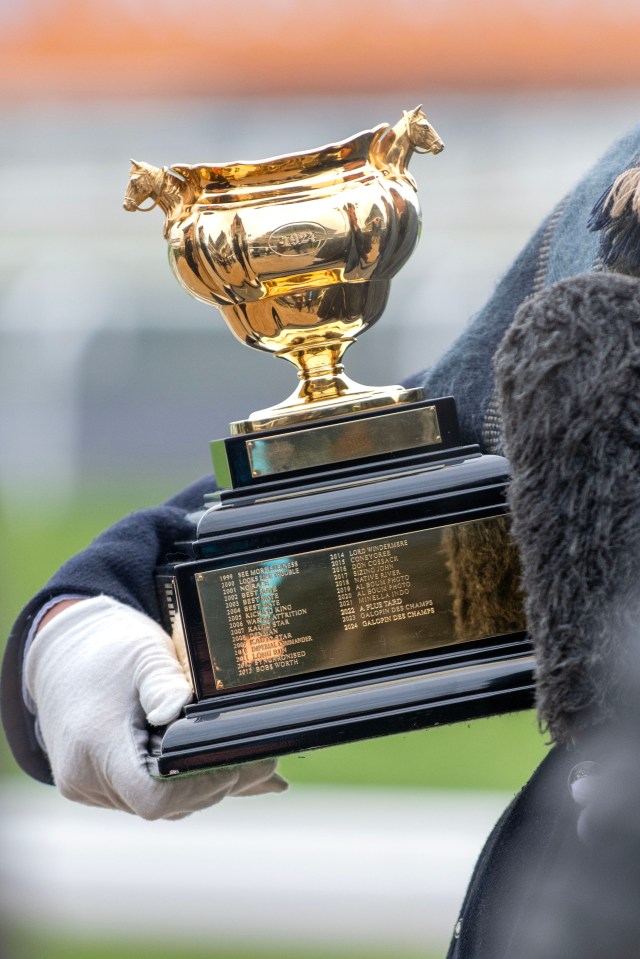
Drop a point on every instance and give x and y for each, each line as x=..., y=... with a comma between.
x=310, y=866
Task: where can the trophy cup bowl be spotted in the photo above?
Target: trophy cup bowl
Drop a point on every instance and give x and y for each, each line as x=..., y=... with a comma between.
x=353, y=575
x=297, y=251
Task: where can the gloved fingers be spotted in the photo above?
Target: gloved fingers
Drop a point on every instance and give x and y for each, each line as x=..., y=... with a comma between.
x=80, y=772
x=129, y=772
x=162, y=685
x=163, y=699
x=177, y=799
x=173, y=799
x=254, y=777
x=274, y=784
x=122, y=781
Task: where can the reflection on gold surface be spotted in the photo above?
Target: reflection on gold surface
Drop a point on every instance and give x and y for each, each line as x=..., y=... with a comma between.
x=297, y=251
x=485, y=577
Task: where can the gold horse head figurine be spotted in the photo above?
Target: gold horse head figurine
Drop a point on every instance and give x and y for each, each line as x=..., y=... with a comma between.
x=161, y=185
x=422, y=135
x=395, y=146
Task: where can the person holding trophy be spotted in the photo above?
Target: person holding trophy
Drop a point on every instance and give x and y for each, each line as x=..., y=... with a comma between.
x=355, y=573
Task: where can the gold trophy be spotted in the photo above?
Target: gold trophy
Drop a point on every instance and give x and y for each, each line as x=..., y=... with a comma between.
x=354, y=574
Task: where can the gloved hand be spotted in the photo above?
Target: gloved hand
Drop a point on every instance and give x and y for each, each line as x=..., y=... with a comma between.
x=100, y=673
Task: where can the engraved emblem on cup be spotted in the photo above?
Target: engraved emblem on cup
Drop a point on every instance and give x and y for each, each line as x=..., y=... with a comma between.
x=301, y=287
x=297, y=239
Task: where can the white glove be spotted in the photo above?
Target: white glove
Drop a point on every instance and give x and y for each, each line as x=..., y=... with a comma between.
x=99, y=672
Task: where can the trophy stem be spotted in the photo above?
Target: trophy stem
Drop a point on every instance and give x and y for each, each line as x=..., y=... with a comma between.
x=324, y=391
x=320, y=372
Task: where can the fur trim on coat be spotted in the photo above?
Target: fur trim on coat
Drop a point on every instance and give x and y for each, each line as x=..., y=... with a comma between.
x=568, y=380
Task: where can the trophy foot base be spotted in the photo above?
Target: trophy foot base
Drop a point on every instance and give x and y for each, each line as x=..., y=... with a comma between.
x=215, y=733
x=298, y=409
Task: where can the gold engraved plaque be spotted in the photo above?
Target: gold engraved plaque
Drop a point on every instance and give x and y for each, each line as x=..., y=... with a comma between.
x=360, y=602
x=342, y=442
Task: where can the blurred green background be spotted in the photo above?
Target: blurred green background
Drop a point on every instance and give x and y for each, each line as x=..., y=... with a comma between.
x=24, y=945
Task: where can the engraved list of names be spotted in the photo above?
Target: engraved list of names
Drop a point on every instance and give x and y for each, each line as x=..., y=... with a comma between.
x=332, y=607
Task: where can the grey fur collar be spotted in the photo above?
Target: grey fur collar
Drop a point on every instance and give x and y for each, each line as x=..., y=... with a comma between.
x=568, y=380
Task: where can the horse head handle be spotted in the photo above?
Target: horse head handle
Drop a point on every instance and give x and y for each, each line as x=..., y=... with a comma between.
x=160, y=185
x=145, y=182
x=422, y=135
x=411, y=134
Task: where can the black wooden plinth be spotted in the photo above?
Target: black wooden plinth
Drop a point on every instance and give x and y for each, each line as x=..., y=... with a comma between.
x=330, y=604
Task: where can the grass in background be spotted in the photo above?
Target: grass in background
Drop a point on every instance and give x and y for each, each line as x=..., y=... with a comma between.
x=24, y=945
x=498, y=753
